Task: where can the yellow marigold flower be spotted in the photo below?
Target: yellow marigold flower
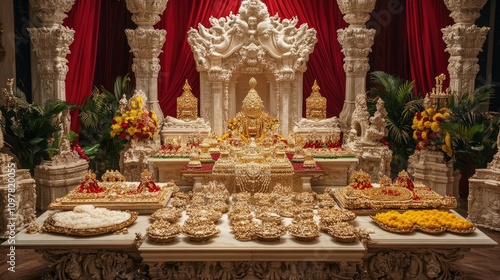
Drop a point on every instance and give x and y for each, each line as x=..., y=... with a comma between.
x=427, y=124
x=116, y=127
x=447, y=139
x=421, y=126
x=131, y=130
x=447, y=149
x=154, y=117
x=133, y=113
x=113, y=134
x=429, y=111
x=435, y=127
x=446, y=115
x=424, y=135
x=118, y=119
x=415, y=135
x=438, y=117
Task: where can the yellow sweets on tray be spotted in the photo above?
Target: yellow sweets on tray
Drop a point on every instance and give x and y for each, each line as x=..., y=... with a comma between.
x=432, y=221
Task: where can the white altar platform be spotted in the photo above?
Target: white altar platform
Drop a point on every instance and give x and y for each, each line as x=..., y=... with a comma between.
x=125, y=254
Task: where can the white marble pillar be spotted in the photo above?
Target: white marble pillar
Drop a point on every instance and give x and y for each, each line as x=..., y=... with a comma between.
x=464, y=41
x=50, y=43
x=146, y=43
x=356, y=41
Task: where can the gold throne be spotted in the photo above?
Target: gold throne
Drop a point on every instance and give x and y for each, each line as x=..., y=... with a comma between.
x=315, y=104
x=187, y=105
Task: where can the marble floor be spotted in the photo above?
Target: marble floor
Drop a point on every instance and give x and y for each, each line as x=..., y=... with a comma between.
x=479, y=264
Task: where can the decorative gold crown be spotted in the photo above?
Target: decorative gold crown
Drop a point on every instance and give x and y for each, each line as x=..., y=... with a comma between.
x=315, y=104
x=252, y=106
x=187, y=104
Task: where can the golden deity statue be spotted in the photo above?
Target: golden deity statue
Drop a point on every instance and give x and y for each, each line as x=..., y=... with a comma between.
x=253, y=121
x=315, y=104
x=187, y=105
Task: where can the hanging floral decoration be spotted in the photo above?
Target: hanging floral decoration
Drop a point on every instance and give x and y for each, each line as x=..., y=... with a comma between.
x=427, y=130
x=135, y=122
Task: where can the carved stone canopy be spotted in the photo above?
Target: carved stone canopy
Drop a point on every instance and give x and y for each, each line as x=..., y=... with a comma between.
x=251, y=43
x=187, y=105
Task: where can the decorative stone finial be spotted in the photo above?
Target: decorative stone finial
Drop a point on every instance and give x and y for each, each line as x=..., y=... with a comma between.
x=252, y=83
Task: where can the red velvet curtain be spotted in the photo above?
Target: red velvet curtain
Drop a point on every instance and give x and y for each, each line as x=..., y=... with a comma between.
x=84, y=19
x=425, y=18
x=113, y=56
x=390, y=46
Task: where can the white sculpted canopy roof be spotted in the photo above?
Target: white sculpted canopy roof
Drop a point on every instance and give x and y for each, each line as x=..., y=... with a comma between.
x=254, y=31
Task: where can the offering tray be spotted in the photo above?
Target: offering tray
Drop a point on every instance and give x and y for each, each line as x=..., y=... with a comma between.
x=370, y=201
x=118, y=196
x=49, y=225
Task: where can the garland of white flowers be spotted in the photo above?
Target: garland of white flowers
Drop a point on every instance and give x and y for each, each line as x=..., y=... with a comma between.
x=87, y=216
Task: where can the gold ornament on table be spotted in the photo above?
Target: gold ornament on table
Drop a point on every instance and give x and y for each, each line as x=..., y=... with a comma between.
x=315, y=104
x=112, y=176
x=187, y=105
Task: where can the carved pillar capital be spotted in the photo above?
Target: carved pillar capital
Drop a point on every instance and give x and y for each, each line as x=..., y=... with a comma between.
x=51, y=12
x=51, y=46
x=464, y=41
x=146, y=43
x=146, y=13
x=465, y=11
x=356, y=12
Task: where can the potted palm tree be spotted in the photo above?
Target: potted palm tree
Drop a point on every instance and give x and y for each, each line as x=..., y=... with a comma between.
x=473, y=131
x=29, y=128
x=401, y=104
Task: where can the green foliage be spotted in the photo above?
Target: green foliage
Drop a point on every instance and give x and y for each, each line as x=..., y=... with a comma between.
x=29, y=128
x=401, y=104
x=96, y=115
x=473, y=130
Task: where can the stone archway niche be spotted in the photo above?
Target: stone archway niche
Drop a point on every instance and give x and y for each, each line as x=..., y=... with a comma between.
x=251, y=44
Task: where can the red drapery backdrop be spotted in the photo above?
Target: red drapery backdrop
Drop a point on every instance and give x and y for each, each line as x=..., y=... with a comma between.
x=84, y=19
x=390, y=46
x=408, y=44
x=428, y=59
x=113, y=54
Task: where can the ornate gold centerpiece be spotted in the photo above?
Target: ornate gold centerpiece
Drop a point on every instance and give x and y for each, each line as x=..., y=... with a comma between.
x=253, y=121
x=251, y=152
x=316, y=104
x=187, y=105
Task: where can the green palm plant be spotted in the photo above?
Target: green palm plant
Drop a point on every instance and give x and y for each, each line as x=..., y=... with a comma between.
x=30, y=127
x=473, y=130
x=401, y=104
x=96, y=115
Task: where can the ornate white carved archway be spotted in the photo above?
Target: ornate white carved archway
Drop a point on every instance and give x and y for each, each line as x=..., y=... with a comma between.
x=251, y=43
